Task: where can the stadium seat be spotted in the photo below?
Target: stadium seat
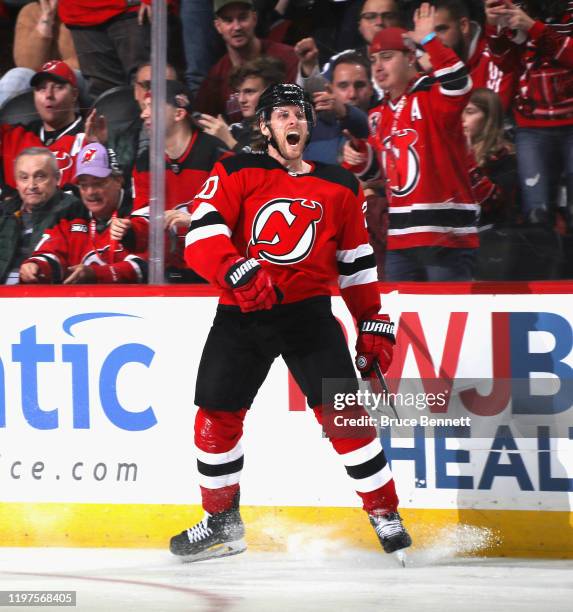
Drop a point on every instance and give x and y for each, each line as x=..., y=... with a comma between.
x=118, y=105
x=19, y=109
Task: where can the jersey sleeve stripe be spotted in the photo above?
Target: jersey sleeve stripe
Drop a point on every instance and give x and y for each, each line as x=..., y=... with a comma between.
x=139, y=265
x=210, y=218
x=437, y=206
x=208, y=231
x=141, y=212
x=371, y=169
x=458, y=92
x=202, y=210
x=458, y=66
x=350, y=255
x=360, y=263
x=55, y=264
x=432, y=228
x=359, y=278
x=446, y=217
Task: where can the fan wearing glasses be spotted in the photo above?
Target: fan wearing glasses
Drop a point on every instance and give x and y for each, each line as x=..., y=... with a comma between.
x=377, y=15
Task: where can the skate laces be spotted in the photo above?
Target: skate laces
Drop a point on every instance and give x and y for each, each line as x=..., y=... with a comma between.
x=200, y=531
x=387, y=526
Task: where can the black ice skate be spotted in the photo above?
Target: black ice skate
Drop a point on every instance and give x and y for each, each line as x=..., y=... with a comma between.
x=390, y=531
x=217, y=535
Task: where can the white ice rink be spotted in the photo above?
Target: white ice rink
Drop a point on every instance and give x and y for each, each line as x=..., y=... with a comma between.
x=315, y=578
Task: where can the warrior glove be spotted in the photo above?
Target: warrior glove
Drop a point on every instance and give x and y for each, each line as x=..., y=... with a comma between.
x=252, y=285
x=375, y=343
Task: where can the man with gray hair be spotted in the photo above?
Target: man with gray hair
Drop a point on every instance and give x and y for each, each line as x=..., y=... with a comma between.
x=83, y=247
x=25, y=217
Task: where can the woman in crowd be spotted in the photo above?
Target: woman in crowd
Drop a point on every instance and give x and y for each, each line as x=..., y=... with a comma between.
x=493, y=164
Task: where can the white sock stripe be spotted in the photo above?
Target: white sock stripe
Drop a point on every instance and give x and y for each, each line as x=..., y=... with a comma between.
x=219, y=458
x=371, y=483
x=217, y=482
x=362, y=455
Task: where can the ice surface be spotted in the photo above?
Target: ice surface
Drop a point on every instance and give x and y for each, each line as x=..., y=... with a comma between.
x=313, y=575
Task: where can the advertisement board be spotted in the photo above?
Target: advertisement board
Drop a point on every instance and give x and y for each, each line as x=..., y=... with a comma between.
x=96, y=405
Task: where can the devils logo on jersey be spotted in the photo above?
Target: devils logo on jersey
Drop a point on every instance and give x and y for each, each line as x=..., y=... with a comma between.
x=401, y=162
x=284, y=230
x=64, y=160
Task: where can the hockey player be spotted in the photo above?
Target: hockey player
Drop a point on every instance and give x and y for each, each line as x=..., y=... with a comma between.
x=273, y=232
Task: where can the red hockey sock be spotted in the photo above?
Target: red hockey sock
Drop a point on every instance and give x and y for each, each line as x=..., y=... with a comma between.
x=218, y=500
x=217, y=437
x=366, y=465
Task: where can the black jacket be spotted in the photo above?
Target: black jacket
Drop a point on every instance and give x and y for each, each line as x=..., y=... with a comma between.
x=14, y=245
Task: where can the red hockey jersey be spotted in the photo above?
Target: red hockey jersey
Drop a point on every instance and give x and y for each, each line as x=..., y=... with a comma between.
x=419, y=141
x=183, y=179
x=78, y=239
x=306, y=230
x=485, y=72
x=65, y=146
x=544, y=63
x=183, y=176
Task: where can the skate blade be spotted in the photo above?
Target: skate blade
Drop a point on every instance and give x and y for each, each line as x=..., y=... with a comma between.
x=400, y=556
x=217, y=551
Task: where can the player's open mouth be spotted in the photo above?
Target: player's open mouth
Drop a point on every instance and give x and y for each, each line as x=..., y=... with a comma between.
x=293, y=138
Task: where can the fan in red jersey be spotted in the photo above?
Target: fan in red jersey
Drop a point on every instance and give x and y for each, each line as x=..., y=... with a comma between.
x=273, y=232
x=467, y=38
x=60, y=127
x=534, y=39
x=417, y=138
x=80, y=247
x=190, y=155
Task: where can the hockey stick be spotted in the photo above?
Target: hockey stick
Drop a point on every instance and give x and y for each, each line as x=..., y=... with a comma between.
x=384, y=385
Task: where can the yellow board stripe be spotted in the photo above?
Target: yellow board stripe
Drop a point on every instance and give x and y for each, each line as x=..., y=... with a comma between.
x=483, y=532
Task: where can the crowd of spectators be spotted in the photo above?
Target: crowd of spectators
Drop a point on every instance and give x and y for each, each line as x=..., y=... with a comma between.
x=456, y=115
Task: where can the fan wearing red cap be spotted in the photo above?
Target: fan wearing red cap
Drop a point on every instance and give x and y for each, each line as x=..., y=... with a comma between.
x=417, y=145
x=393, y=57
x=60, y=128
x=55, y=94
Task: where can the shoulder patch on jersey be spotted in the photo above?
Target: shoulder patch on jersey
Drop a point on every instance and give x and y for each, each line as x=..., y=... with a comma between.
x=79, y=227
x=338, y=175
